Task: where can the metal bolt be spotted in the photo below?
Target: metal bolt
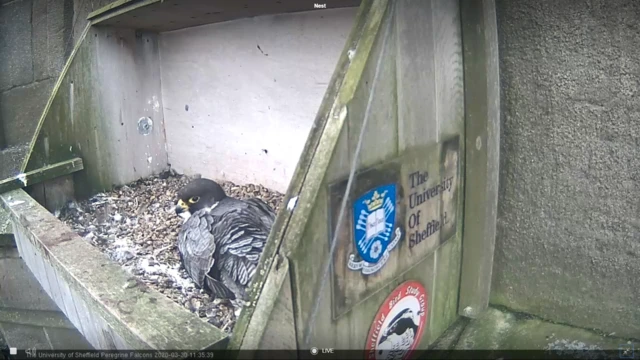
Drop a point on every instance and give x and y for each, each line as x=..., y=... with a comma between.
x=145, y=126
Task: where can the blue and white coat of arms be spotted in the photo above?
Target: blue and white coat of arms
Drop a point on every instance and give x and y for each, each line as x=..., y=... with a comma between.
x=374, y=228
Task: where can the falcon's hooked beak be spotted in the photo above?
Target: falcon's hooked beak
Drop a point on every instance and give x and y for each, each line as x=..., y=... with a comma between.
x=182, y=209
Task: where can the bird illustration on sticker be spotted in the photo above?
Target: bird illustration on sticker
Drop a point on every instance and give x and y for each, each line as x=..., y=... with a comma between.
x=398, y=326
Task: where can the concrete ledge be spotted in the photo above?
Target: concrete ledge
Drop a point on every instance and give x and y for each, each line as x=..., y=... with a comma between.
x=495, y=329
x=101, y=299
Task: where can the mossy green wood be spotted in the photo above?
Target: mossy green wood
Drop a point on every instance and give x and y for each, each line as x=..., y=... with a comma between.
x=418, y=103
x=164, y=16
x=93, y=111
x=325, y=123
x=36, y=176
x=28, y=163
x=116, y=8
x=482, y=101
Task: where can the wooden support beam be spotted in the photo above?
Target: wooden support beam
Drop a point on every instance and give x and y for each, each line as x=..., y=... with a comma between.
x=39, y=175
x=117, y=8
x=482, y=127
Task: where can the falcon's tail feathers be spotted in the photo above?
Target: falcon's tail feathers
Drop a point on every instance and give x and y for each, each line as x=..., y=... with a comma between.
x=218, y=289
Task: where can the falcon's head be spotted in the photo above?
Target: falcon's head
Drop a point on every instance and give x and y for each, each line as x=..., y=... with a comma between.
x=198, y=194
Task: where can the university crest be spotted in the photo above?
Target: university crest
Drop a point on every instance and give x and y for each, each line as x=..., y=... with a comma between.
x=375, y=231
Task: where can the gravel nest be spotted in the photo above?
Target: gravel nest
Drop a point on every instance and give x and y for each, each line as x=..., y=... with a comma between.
x=135, y=225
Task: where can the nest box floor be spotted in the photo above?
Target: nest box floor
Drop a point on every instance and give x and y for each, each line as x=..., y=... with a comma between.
x=136, y=226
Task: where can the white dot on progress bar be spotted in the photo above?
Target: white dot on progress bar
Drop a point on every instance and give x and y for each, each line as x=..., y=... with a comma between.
x=13, y=351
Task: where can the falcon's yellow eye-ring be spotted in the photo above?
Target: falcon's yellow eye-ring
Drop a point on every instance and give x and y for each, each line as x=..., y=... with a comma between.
x=194, y=199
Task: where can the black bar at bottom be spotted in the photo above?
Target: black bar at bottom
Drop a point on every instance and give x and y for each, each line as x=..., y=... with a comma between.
x=322, y=354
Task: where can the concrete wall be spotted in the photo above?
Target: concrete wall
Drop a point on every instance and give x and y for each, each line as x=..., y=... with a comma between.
x=33, y=36
x=568, y=242
x=36, y=37
x=240, y=96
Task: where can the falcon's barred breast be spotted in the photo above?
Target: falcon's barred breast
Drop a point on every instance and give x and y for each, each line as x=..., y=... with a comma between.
x=222, y=239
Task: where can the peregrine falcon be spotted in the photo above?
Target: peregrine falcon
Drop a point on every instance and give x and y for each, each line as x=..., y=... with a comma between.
x=221, y=239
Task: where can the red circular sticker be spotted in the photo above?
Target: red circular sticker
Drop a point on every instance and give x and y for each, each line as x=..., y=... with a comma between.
x=399, y=324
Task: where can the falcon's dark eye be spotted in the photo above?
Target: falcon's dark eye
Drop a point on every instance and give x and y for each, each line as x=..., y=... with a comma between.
x=194, y=199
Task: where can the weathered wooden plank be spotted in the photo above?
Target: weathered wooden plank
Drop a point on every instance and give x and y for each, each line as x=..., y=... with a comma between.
x=89, y=326
x=422, y=153
x=102, y=127
x=425, y=77
x=36, y=191
x=446, y=288
x=379, y=143
x=114, y=6
x=307, y=269
x=339, y=167
x=53, y=194
x=61, y=295
x=482, y=101
x=326, y=148
x=447, y=52
x=164, y=16
x=310, y=253
x=380, y=138
x=81, y=322
x=58, y=192
x=449, y=95
x=276, y=315
x=55, y=90
x=282, y=318
x=45, y=269
x=306, y=263
x=125, y=314
x=328, y=121
x=417, y=122
x=39, y=175
x=28, y=254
